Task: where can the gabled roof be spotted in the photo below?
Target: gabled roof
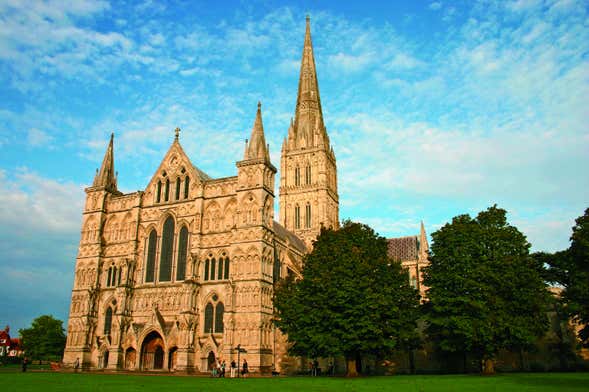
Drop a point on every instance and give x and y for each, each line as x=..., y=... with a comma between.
x=177, y=151
x=202, y=175
x=403, y=248
x=284, y=234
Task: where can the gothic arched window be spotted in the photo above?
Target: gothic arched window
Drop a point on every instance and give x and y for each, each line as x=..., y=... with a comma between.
x=182, y=250
x=219, y=310
x=212, y=271
x=308, y=215
x=158, y=192
x=107, y=321
x=297, y=217
x=220, y=269
x=206, y=271
x=209, y=318
x=308, y=174
x=166, y=254
x=150, y=264
x=226, y=267
x=178, y=188
x=167, y=190
x=186, y=187
x=108, y=277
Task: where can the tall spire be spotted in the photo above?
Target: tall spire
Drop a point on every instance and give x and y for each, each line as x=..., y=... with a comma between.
x=423, y=245
x=106, y=175
x=256, y=148
x=308, y=129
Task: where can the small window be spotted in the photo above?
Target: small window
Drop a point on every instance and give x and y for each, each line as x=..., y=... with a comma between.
x=308, y=216
x=167, y=190
x=177, y=188
x=108, y=277
x=219, y=310
x=158, y=192
x=212, y=271
x=214, y=315
x=206, y=271
x=209, y=318
x=226, y=267
x=308, y=174
x=220, y=269
x=186, y=186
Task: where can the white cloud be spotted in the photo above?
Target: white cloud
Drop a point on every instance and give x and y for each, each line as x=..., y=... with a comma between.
x=351, y=63
x=404, y=61
x=436, y=5
x=39, y=138
x=523, y=5
x=39, y=205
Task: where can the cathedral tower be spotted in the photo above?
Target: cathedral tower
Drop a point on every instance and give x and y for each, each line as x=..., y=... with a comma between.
x=308, y=174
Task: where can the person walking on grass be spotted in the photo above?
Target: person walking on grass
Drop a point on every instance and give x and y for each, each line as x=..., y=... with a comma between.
x=244, y=369
x=222, y=369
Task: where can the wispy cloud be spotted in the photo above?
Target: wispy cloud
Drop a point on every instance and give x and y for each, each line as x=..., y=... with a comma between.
x=430, y=115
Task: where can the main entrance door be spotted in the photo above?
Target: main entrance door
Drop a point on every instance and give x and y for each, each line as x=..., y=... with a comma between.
x=152, y=352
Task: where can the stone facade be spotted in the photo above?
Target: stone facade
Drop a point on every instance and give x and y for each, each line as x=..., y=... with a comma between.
x=182, y=272
x=169, y=277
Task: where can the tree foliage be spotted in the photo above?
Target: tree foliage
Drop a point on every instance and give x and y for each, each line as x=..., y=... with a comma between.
x=45, y=339
x=570, y=268
x=352, y=300
x=485, y=291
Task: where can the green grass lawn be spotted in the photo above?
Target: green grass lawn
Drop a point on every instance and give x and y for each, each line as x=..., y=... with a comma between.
x=48, y=381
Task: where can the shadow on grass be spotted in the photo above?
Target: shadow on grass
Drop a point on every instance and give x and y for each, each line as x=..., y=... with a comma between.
x=558, y=381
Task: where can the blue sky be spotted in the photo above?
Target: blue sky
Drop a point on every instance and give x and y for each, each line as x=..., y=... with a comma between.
x=434, y=109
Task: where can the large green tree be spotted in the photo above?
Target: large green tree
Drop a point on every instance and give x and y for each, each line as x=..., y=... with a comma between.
x=45, y=339
x=570, y=268
x=485, y=292
x=352, y=300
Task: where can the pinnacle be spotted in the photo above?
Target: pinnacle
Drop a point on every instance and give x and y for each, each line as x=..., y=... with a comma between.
x=106, y=176
x=257, y=148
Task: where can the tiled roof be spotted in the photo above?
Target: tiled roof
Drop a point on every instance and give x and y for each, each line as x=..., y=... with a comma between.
x=203, y=176
x=403, y=248
x=283, y=233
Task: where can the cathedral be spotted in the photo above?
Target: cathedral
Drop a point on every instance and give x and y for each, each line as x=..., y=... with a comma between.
x=181, y=273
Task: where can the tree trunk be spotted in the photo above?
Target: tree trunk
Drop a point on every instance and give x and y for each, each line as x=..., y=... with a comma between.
x=351, y=367
x=411, y=361
x=488, y=366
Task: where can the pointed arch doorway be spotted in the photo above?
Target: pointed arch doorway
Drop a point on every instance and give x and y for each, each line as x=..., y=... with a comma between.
x=152, y=352
x=211, y=361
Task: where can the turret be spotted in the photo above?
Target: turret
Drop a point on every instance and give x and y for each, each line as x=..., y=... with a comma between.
x=255, y=178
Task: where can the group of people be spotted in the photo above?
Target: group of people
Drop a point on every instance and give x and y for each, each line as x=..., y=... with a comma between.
x=219, y=369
